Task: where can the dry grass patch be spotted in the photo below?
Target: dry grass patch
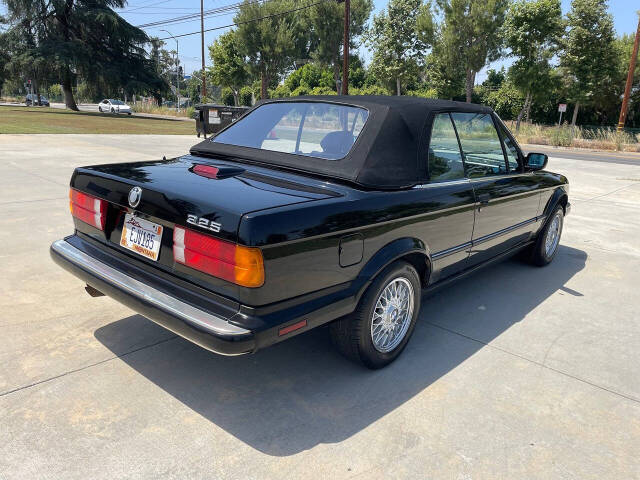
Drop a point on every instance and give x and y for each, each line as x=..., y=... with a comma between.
x=577, y=137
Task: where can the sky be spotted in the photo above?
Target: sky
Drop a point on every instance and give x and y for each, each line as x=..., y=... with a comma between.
x=139, y=12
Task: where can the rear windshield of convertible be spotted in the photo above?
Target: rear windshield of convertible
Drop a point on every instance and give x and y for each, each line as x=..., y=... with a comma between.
x=313, y=129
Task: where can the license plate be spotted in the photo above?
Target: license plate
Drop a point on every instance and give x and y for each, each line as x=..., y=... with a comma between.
x=141, y=236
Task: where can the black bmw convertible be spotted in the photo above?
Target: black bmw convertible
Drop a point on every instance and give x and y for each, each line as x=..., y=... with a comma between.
x=311, y=211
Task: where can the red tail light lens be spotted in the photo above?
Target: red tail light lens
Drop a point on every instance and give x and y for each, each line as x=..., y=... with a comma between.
x=89, y=209
x=235, y=263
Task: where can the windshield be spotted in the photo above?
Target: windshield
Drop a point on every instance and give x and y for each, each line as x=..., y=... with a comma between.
x=314, y=129
x=116, y=102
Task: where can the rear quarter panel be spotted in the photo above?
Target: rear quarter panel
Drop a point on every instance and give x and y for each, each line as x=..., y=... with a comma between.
x=300, y=243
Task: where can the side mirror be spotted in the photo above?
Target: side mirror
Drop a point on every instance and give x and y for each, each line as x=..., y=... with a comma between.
x=536, y=161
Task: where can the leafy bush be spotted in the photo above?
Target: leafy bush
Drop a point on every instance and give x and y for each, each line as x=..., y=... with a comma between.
x=246, y=96
x=301, y=90
x=281, y=91
x=54, y=92
x=227, y=96
x=424, y=93
x=323, y=91
x=369, y=90
x=507, y=101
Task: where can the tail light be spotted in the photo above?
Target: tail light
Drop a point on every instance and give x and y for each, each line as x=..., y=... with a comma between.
x=235, y=263
x=89, y=209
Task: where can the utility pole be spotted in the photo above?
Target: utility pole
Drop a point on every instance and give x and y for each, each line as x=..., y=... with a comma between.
x=204, y=80
x=177, y=72
x=627, y=88
x=345, y=49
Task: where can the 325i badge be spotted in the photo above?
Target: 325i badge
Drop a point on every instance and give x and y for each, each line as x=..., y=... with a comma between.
x=204, y=223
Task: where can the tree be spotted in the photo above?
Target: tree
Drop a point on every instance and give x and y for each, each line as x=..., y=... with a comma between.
x=272, y=44
x=83, y=37
x=229, y=69
x=471, y=34
x=532, y=31
x=495, y=78
x=589, y=51
x=399, y=37
x=4, y=59
x=22, y=59
x=326, y=21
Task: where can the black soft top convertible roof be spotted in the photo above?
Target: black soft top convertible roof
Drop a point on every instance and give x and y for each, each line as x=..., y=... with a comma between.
x=388, y=154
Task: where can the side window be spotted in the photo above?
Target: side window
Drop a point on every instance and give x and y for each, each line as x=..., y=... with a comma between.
x=480, y=143
x=445, y=160
x=512, y=151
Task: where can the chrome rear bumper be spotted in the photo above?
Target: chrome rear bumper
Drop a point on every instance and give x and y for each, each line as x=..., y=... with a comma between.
x=203, y=328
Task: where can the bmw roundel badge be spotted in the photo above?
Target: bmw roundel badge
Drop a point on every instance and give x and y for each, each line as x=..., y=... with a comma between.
x=135, y=195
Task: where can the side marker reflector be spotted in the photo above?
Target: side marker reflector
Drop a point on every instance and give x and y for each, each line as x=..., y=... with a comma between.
x=292, y=328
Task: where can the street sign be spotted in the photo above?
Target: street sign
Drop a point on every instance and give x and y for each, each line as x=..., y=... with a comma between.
x=562, y=107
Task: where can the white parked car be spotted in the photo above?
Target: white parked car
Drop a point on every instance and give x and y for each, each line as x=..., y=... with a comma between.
x=114, y=106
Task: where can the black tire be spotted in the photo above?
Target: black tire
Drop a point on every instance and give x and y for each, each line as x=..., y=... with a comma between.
x=128, y=113
x=352, y=335
x=100, y=109
x=113, y=110
x=540, y=255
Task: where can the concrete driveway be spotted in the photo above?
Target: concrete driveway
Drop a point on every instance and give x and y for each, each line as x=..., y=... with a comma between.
x=516, y=372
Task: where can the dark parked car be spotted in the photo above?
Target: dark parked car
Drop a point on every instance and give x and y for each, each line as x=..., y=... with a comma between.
x=319, y=210
x=32, y=99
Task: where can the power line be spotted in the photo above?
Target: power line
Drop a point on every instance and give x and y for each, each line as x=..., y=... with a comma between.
x=214, y=12
x=252, y=20
x=180, y=22
x=191, y=16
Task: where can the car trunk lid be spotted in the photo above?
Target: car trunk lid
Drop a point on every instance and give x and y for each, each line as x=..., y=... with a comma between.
x=206, y=195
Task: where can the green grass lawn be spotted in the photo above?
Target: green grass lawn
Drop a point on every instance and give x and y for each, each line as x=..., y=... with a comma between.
x=54, y=120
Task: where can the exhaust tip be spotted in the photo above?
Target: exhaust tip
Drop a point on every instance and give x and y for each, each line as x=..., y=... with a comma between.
x=93, y=292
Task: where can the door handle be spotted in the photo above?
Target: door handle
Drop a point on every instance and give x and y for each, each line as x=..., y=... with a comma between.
x=484, y=200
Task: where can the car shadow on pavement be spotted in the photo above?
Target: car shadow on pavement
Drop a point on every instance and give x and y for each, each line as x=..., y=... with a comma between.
x=300, y=393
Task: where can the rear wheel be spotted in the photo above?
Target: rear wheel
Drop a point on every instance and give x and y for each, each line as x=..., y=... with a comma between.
x=113, y=110
x=377, y=332
x=546, y=245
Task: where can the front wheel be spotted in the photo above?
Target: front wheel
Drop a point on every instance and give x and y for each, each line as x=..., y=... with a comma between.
x=546, y=245
x=113, y=110
x=379, y=329
x=100, y=109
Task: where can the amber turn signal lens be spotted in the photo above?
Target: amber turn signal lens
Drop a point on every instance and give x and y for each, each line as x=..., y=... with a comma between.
x=249, y=267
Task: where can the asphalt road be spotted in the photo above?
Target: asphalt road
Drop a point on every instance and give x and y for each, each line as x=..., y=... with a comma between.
x=515, y=372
